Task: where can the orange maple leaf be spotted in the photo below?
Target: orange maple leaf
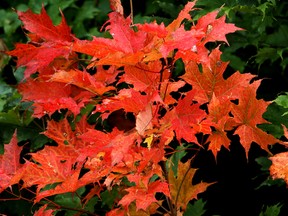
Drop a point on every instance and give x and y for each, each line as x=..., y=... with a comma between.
x=181, y=188
x=248, y=114
x=279, y=167
x=211, y=81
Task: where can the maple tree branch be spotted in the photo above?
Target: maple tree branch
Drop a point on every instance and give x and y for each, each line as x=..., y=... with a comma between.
x=17, y=197
x=131, y=8
x=50, y=203
x=165, y=67
x=168, y=212
x=73, y=209
x=160, y=80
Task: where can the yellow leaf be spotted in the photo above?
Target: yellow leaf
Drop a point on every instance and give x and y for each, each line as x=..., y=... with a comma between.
x=149, y=140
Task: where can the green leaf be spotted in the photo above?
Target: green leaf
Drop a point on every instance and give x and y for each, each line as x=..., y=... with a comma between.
x=109, y=196
x=264, y=162
x=271, y=210
x=195, y=209
x=264, y=7
x=267, y=53
x=9, y=21
x=269, y=182
x=5, y=89
x=274, y=114
x=168, y=7
x=38, y=141
x=13, y=117
x=36, y=5
x=87, y=11
x=70, y=200
x=91, y=203
x=282, y=100
x=175, y=158
x=19, y=74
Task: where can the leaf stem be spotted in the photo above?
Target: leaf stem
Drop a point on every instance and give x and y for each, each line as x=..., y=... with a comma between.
x=131, y=8
x=170, y=205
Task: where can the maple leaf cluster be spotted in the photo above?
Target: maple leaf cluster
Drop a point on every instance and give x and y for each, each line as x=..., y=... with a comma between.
x=142, y=58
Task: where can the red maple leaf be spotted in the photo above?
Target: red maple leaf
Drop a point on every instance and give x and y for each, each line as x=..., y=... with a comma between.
x=191, y=44
x=105, y=152
x=37, y=58
x=184, y=14
x=153, y=29
x=248, y=114
x=62, y=133
x=121, y=145
x=182, y=40
x=211, y=81
x=129, y=100
x=43, y=211
x=106, y=76
x=42, y=25
x=215, y=29
x=10, y=167
x=57, y=164
x=70, y=184
x=222, y=122
x=82, y=79
x=143, y=76
x=48, y=42
x=123, y=49
x=183, y=117
x=148, y=165
x=144, y=196
x=48, y=97
x=54, y=164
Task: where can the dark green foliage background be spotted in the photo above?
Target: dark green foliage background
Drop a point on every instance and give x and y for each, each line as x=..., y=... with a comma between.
x=262, y=49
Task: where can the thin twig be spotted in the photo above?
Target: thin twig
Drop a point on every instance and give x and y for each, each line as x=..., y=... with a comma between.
x=170, y=205
x=131, y=9
x=166, y=210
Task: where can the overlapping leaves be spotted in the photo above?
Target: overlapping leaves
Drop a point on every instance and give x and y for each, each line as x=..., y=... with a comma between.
x=141, y=56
